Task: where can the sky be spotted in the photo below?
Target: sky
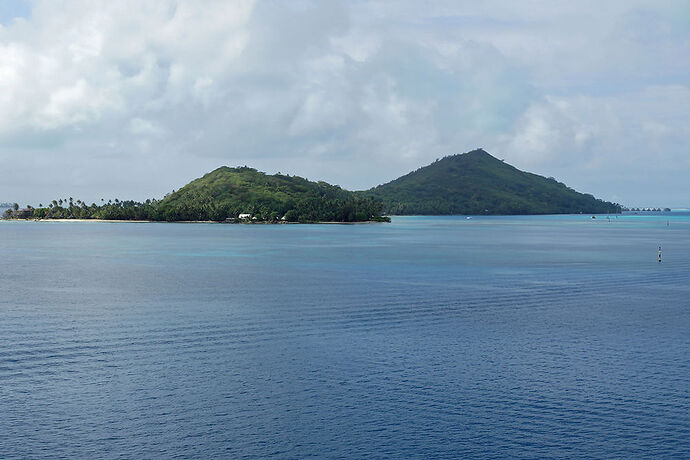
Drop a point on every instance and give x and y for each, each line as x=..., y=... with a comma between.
x=132, y=99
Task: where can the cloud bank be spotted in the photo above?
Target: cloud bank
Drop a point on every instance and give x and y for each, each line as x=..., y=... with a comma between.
x=130, y=99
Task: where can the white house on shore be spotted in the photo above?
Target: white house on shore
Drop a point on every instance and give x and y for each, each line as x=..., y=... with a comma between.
x=244, y=216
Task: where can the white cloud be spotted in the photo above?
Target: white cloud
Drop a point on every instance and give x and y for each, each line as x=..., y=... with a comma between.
x=144, y=127
x=140, y=96
x=635, y=140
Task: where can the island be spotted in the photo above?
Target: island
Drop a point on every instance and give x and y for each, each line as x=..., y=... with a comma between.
x=477, y=183
x=473, y=183
x=237, y=195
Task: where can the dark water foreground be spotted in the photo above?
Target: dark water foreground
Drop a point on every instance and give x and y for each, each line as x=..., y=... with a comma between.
x=424, y=338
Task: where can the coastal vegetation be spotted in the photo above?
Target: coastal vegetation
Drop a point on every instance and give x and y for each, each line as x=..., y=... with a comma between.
x=470, y=183
x=478, y=183
x=234, y=191
x=227, y=194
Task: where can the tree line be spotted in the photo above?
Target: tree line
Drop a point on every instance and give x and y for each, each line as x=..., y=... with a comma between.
x=197, y=207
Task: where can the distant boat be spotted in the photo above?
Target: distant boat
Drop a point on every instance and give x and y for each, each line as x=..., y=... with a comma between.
x=594, y=217
x=468, y=217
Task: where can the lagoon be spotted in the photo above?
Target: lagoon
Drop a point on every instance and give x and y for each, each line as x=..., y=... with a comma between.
x=429, y=337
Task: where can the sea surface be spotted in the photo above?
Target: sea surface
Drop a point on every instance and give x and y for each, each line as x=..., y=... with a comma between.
x=430, y=337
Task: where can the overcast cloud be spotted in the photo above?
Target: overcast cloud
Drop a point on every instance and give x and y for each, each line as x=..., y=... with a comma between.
x=131, y=99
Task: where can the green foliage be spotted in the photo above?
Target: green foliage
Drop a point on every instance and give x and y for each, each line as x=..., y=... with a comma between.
x=227, y=193
x=478, y=183
x=121, y=210
x=471, y=183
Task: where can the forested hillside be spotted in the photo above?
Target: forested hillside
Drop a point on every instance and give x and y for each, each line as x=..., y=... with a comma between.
x=477, y=183
x=226, y=193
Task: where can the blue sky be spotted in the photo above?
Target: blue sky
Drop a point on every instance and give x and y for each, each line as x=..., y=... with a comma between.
x=131, y=99
x=11, y=9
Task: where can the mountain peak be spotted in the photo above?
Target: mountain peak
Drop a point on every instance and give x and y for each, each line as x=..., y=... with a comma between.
x=476, y=182
x=477, y=152
x=476, y=155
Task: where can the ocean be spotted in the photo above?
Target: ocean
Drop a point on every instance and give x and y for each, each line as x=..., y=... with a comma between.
x=429, y=337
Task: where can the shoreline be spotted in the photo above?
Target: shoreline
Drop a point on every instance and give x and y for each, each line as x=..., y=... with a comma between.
x=192, y=222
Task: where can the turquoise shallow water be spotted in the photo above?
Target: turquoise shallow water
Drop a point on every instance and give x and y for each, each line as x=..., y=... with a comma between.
x=430, y=337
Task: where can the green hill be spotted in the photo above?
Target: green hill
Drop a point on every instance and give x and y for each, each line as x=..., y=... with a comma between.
x=477, y=183
x=471, y=183
x=233, y=191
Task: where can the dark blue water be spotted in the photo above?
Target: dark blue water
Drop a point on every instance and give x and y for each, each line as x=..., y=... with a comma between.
x=425, y=338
